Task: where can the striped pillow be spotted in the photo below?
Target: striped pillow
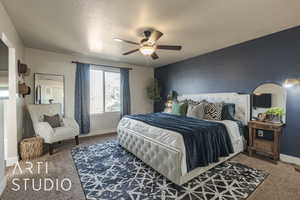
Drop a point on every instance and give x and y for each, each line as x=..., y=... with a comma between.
x=213, y=111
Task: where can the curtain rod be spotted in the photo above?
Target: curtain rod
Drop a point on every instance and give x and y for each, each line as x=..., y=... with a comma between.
x=75, y=62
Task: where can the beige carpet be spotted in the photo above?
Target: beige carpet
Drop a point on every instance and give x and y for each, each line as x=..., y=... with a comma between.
x=282, y=184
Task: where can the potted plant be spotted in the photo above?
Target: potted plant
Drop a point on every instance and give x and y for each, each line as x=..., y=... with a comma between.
x=275, y=114
x=153, y=91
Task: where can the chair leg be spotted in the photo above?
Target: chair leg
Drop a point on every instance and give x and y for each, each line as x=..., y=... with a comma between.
x=77, y=140
x=50, y=149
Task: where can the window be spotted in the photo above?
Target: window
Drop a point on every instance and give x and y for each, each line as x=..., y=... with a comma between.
x=4, y=92
x=112, y=91
x=104, y=91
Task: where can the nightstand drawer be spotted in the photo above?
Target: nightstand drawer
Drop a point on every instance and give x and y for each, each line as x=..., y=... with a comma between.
x=264, y=126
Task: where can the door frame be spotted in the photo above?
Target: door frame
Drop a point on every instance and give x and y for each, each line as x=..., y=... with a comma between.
x=11, y=151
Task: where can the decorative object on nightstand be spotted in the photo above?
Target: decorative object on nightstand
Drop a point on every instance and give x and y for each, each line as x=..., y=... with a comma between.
x=261, y=116
x=264, y=137
x=31, y=148
x=274, y=114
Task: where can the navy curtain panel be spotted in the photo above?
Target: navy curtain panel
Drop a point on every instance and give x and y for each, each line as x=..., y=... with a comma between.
x=82, y=97
x=125, y=92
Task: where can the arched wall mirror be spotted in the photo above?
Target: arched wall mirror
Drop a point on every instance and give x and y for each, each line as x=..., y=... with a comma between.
x=269, y=103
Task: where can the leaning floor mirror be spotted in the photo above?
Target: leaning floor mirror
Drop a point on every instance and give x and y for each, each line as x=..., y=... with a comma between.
x=49, y=89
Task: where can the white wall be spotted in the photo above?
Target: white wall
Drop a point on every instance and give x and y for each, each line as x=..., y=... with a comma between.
x=2, y=175
x=15, y=103
x=54, y=63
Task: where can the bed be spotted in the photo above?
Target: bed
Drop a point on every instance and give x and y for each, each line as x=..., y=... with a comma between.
x=165, y=149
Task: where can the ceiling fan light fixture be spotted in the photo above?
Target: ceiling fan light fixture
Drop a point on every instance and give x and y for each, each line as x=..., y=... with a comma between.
x=147, y=50
x=117, y=39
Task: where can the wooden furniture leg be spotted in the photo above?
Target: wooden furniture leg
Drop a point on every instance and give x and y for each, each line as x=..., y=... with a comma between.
x=77, y=140
x=50, y=149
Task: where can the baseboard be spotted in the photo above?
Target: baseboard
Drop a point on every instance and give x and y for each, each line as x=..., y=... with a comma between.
x=290, y=159
x=11, y=161
x=2, y=185
x=99, y=132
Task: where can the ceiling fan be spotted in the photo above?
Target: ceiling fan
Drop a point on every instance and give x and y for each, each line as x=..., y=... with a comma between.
x=148, y=44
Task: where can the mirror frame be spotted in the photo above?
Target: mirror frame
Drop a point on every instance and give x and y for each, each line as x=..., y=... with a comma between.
x=262, y=83
x=64, y=84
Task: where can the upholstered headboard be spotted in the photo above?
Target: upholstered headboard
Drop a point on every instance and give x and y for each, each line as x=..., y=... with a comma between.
x=241, y=101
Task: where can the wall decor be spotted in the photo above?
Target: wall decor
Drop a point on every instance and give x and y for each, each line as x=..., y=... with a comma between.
x=22, y=68
x=24, y=89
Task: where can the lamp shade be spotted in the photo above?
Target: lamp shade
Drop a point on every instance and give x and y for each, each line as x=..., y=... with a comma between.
x=291, y=82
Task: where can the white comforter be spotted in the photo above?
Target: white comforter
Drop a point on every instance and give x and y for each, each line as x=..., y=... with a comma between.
x=175, y=139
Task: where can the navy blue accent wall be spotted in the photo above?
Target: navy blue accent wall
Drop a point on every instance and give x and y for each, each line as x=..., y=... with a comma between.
x=241, y=68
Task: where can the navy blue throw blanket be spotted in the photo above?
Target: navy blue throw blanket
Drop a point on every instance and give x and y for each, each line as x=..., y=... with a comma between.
x=205, y=141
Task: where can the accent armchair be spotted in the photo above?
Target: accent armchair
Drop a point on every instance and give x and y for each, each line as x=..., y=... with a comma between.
x=69, y=127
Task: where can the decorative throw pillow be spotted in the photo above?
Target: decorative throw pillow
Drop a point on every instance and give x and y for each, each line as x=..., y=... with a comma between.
x=228, y=111
x=213, y=111
x=196, y=111
x=192, y=102
x=54, y=120
x=179, y=109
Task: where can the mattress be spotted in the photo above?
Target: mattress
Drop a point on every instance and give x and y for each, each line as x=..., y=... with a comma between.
x=175, y=139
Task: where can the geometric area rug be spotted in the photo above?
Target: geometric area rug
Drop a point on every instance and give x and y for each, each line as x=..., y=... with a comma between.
x=107, y=171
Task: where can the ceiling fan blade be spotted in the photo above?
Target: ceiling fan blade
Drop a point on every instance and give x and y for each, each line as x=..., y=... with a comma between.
x=155, y=35
x=154, y=56
x=127, y=41
x=169, y=47
x=129, y=52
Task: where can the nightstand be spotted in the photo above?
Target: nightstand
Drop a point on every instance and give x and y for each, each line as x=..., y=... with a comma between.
x=264, y=137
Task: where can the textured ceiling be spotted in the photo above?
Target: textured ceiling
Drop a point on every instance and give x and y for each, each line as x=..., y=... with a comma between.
x=87, y=26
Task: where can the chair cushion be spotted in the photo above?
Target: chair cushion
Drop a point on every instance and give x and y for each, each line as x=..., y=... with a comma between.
x=54, y=120
x=62, y=133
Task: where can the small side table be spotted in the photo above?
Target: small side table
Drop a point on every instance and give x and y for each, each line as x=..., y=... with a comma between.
x=31, y=148
x=264, y=137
